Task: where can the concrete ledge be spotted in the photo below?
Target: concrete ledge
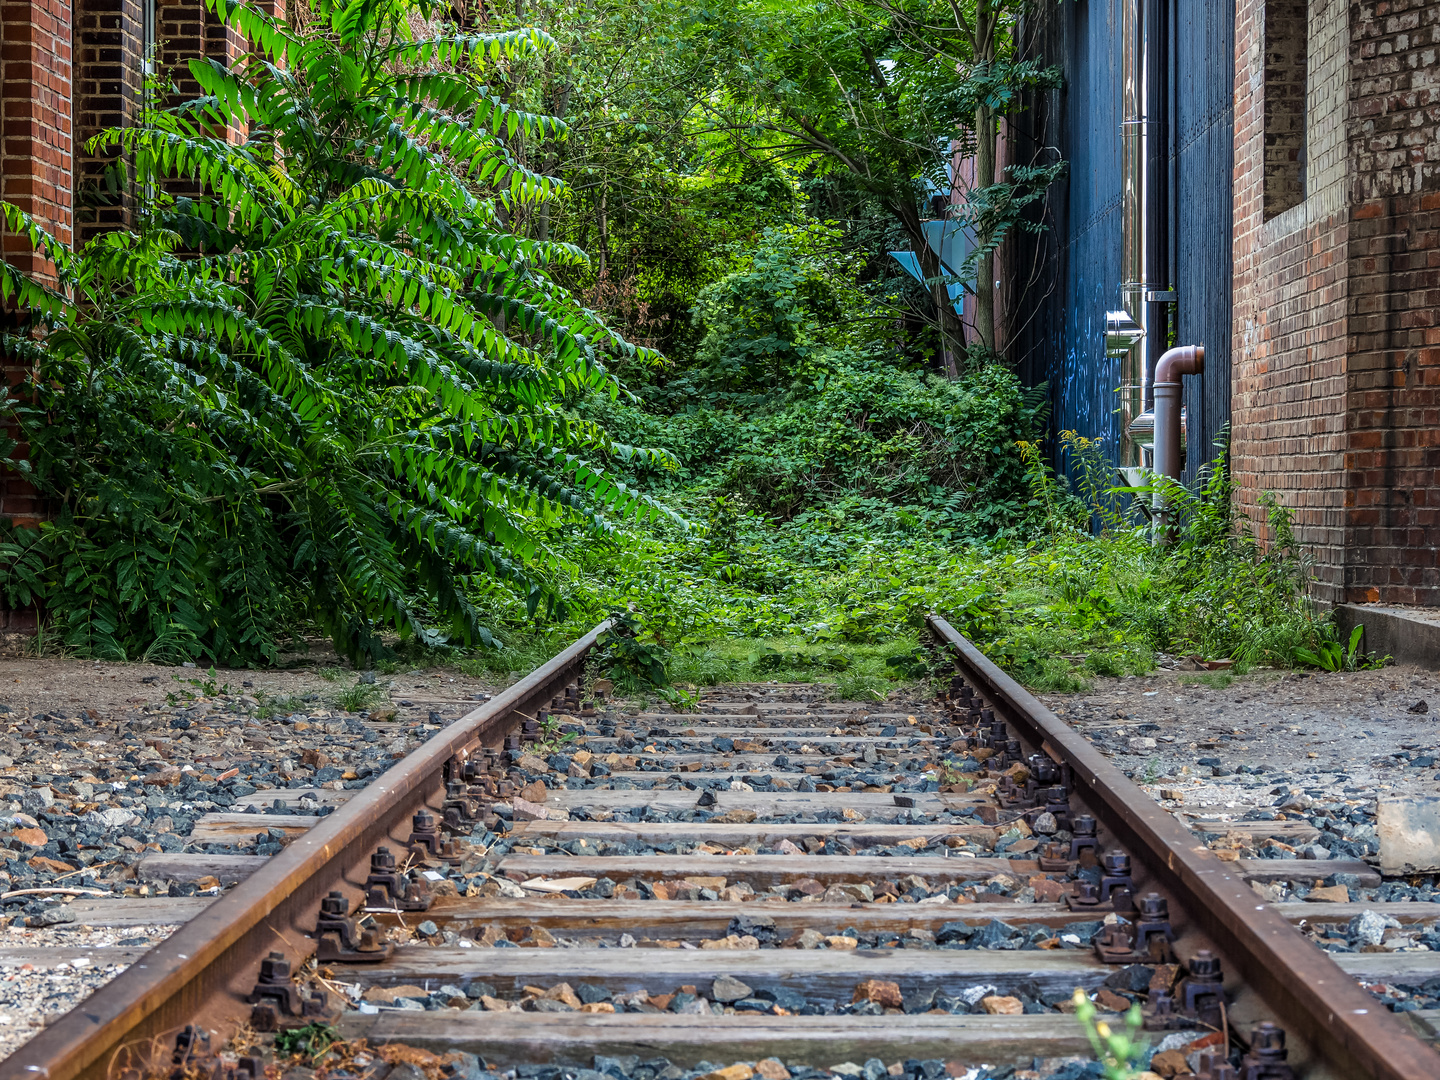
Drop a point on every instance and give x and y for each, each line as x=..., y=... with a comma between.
x=1410, y=635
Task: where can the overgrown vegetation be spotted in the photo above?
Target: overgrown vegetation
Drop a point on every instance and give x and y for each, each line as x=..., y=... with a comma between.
x=328, y=384
x=344, y=372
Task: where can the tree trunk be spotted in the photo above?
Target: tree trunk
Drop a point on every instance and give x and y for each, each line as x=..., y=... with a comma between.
x=552, y=163
x=604, y=223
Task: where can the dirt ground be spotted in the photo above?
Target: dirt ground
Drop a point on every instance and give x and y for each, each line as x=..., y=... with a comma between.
x=35, y=686
x=1231, y=739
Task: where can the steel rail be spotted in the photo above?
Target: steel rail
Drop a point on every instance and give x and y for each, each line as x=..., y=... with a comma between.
x=1310, y=993
x=202, y=972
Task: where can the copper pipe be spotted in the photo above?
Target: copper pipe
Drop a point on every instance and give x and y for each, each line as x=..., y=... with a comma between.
x=1185, y=360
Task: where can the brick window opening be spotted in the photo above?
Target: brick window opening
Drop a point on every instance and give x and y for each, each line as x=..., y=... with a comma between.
x=1286, y=26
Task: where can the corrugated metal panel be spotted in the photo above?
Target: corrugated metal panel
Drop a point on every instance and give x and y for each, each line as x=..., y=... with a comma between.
x=1062, y=343
x=1202, y=156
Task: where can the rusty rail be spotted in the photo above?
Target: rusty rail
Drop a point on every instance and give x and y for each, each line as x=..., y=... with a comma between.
x=1314, y=998
x=203, y=971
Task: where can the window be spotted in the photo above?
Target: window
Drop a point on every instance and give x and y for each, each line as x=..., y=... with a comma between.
x=1286, y=31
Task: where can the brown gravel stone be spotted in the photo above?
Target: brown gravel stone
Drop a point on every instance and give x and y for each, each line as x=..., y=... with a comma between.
x=1164, y=977
x=563, y=992
x=880, y=992
x=1332, y=894
x=997, y=1005
x=738, y=1071
x=1169, y=1063
x=772, y=1069
x=50, y=866
x=35, y=838
x=528, y=809
x=1111, y=1001
x=1048, y=891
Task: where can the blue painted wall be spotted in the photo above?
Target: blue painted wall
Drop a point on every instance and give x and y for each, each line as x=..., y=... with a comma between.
x=1080, y=254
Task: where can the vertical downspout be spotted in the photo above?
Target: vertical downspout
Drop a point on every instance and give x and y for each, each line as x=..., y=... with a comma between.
x=1136, y=333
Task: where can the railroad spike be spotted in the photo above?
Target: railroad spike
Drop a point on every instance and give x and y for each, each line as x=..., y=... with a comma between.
x=1202, y=990
x=390, y=890
x=340, y=939
x=1145, y=938
x=192, y=1042
x=426, y=843
x=193, y=1060
x=1086, y=897
x=1054, y=858
x=1115, y=867
x=465, y=808
x=1154, y=937
x=1084, y=837
x=1266, y=1059
x=1213, y=1065
x=276, y=1002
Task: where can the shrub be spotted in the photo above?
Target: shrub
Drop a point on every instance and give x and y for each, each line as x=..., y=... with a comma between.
x=329, y=383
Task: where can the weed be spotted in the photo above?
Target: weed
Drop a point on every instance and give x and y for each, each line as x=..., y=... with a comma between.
x=207, y=687
x=869, y=687
x=359, y=697
x=310, y=1041
x=1116, y=1051
x=329, y=674
x=1151, y=772
x=951, y=775
x=1217, y=679
x=278, y=706
x=551, y=739
x=1332, y=656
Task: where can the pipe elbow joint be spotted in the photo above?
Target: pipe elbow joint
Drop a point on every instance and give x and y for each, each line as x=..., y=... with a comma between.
x=1182, y=360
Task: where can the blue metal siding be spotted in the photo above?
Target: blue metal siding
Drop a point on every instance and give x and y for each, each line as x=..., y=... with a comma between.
x=1062, y=344
x=1202, y=159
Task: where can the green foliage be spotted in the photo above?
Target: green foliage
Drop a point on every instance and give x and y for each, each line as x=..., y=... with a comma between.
x=359, y=697
x=330, y=383
x=796, y=407
x=770, y=321
x=1117, y=1051
x=311, y=1041
x=632, y=654
x=1333, y=656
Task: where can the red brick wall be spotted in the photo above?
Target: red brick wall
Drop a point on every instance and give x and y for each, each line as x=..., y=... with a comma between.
x=36, y=138
x=1286, y=30
x=1289, y=363
x=1336, y=374
x=36, y=156
x=1393, y=463
x=109, y=77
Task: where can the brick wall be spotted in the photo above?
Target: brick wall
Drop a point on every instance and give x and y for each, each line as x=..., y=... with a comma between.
x=36, y=155
x=109, y=77
x=1393, y=311
x=1336, y=375
x=36, y=124
x=1284, y=51
x=1288, y=368
x=187, y=29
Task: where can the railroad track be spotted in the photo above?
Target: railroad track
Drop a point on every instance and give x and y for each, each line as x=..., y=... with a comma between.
x=775, y=879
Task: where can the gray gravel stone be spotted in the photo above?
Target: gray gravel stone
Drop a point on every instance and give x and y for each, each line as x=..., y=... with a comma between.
x=727, y=988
